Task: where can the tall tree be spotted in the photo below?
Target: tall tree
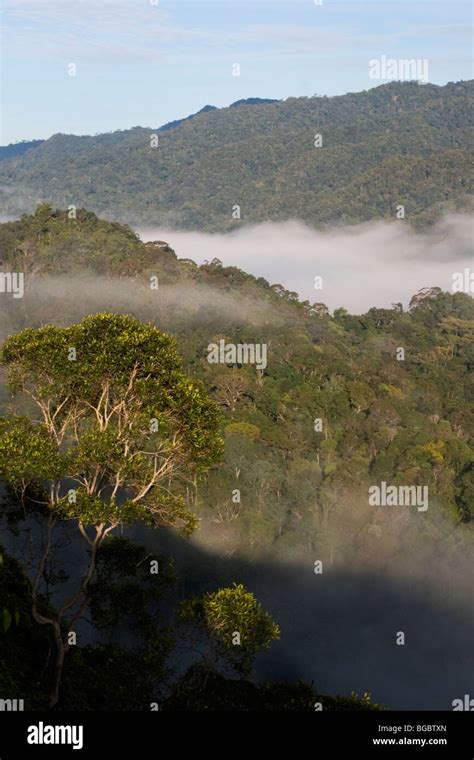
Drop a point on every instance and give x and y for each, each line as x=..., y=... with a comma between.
x=118, y=433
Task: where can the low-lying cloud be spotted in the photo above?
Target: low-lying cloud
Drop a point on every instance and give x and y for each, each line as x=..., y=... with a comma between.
x=374, y=264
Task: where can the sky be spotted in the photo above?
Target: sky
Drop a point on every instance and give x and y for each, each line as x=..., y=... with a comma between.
x=93, y=66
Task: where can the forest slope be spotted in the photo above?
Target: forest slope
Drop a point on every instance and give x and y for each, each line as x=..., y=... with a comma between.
x=301, y=484
x=400, y=143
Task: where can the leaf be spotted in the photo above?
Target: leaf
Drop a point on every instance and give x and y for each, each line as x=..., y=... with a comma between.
x=17, y=617
x=7, y=620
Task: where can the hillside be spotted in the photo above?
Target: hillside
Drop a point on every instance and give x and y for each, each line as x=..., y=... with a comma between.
x=400, y=143
x=17, y=149
x=331, y=415
x=408, y=421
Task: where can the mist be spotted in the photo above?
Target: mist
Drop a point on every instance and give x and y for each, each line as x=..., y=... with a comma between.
x=338, y=629
x=63, y=300
x=364, y=265
x=384, y=571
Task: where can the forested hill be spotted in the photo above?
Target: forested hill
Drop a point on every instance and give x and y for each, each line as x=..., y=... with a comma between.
x=18, y=149
x=400, y=143
x=304, y=486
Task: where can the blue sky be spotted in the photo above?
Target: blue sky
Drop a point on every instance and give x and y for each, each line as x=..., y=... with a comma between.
x=142, y=62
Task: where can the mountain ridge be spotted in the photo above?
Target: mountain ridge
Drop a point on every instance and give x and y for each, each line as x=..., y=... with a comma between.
x=12, y=150
x=263, y=159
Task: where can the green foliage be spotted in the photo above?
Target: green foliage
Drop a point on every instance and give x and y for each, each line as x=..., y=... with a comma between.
x=23, y=644
x=27, y=452
x=301, y=488
x=243, y=428
x=6, y=620
x=379, y=416
x=50, y=241
x=125, y=589
x=397, y=143
x=112, y=677
x=104, y=676
x=121, y=420
x=235, y=624
x=115, y=676
x=205, y=692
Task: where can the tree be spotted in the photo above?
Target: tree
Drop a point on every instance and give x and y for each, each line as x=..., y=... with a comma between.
x=23, y=644
x=319, y=310
x=120, y=420
x=361, y=396
x=230, y=387
x=200, y=690
x=465, y=500
x=233, y=624
x=423, y=297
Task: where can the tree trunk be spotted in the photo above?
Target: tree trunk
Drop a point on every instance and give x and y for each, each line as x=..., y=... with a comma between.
x=61, y=648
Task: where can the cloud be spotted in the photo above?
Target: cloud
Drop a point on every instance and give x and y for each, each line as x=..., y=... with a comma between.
x=111, y=31
x=92, y=31
x=367, y=265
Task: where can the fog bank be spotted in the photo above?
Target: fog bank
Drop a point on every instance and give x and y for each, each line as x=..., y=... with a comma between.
x=365, y=265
